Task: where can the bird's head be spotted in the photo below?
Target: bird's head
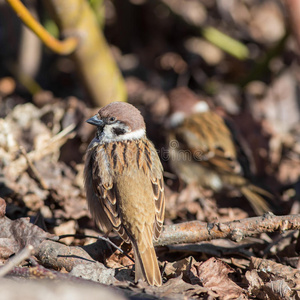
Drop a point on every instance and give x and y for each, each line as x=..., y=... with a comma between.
x=118, y=121
x=183, y=103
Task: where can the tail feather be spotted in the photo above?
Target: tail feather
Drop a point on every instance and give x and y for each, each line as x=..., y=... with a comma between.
x=254, y=195
x=146, y=265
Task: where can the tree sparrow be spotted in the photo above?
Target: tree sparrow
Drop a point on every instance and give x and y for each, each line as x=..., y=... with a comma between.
x=124, y=184
x=204, y=151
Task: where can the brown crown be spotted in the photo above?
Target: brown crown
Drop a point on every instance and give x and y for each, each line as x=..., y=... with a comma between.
x=182, y=99
x=125, y=113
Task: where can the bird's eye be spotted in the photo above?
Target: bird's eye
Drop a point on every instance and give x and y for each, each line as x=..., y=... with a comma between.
x=112, y=119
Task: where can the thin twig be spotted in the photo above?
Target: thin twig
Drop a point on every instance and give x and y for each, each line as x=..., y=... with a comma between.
x=107, y=240
x=35, y=172
x=62, y=47
x=17, y=259
x=170, y=175
x=76, y=236
x=276, y=241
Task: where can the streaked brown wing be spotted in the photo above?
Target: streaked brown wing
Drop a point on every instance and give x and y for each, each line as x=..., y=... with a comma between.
x=150, y=163
x=210, y=141
x=104, y=189
x=156, y=175
x=159, y=197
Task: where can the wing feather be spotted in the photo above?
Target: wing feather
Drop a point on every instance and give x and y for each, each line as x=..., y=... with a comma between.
x=156, y=175
x=149, y=162
x=209, y=140
x=103, y=203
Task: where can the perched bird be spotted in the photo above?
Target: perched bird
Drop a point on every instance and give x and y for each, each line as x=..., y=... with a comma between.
x=203, y=150
x=124, y=184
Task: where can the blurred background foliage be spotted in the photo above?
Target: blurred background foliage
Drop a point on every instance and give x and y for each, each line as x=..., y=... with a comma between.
x=203, y=44
x=83, y=41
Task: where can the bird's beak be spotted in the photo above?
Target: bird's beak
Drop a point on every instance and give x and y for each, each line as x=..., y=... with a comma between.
x=95, y=121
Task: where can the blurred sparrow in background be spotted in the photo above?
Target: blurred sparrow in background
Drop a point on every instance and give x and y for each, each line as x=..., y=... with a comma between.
x=204, y=151
x=124, y=184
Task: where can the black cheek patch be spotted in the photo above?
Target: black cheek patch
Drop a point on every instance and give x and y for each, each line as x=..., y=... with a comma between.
x=118, y=131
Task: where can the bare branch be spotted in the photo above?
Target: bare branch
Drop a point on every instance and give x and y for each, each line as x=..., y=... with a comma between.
x=58, y=256
x=196, y=231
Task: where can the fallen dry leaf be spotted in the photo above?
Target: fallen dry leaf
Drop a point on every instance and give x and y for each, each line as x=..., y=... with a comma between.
x=180, y=267
x=213, y=274
x=15, y=235
x=270, y=271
